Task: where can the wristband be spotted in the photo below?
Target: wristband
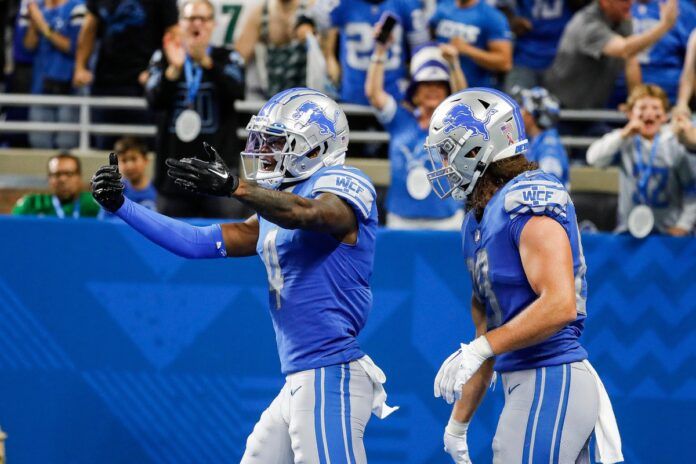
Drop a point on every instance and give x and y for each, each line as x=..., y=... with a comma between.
x=456, y=428
x=482, y=348
x=378, y=59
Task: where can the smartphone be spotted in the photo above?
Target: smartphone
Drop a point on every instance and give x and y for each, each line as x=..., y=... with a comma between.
x=388, y=21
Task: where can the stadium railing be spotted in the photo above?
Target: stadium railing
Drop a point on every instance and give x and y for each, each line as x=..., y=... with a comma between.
x=85, y=127
x=23, y=168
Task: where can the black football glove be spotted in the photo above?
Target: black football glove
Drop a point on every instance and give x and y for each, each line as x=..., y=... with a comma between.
x=107, y=187
x=209, y=177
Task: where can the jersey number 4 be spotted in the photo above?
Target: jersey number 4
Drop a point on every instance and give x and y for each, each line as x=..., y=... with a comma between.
x=272, y=262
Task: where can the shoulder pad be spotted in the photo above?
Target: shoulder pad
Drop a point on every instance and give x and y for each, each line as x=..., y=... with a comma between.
x=542, y=196
x=351, y=184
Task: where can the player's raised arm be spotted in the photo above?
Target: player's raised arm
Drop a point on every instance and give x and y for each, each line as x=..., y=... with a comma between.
x=179, y=237
x=327, y=213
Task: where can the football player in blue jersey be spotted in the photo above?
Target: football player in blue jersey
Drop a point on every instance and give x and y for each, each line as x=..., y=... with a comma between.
x=351, y=25
x=315, y=231
x=540, y=113
x=524, y=255
x=411, y=203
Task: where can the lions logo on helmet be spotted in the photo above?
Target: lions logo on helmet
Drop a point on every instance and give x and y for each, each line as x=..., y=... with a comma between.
x=462, y=116
x=292, y=137
x=468, y=131
x=311, y=113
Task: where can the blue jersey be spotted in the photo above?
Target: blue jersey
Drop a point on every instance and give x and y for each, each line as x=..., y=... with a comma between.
x=20, y=54
x=50, y=62
x=356, y=21
x=662, y=62
x=478, y=25
x=407, y=155
x=146, y=197
x=319, y=288
x=547, y=150
x=498, y=278
x=537, y=48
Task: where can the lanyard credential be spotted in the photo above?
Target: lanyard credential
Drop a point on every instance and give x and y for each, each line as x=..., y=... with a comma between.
x=194, y=75
x=59, y=209
x=645, y=170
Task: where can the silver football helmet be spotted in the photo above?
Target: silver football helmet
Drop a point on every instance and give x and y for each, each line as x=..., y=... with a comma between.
x=468, y=131
x=297, y=132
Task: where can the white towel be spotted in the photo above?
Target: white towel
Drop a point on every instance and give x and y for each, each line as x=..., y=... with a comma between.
x=607, y=437
x=380, y=408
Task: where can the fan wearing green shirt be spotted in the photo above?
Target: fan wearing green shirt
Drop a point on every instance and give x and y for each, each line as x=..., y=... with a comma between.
x=66, y=198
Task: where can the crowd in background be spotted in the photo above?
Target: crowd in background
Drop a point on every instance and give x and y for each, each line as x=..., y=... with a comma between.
x=547, y=54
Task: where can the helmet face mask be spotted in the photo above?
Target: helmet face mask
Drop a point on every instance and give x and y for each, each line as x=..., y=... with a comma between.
x=468, y=131
x=296, y=133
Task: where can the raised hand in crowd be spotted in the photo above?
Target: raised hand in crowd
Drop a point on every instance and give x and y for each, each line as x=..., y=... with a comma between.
x=685, y=130
x=669, y=11
x=176, y=55
x=632, y=127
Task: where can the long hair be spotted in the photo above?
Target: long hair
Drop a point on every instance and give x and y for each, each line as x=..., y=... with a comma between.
x=498, y=174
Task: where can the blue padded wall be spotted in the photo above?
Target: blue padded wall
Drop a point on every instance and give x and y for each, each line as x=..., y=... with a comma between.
x=112, y=350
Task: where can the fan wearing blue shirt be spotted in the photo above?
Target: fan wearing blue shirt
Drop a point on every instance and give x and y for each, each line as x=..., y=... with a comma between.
x=540, y=113
x=481, y=35
x=350, y=23
x=537, y=25
x=52, y=33
x=411, y=202
x=662, y=62
x=132, y=164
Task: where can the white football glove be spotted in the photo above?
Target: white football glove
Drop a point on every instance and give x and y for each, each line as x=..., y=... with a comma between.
x=455, y=441
x=460, y=367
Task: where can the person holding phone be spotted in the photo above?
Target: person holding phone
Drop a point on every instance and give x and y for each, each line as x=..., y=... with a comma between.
x=350, y=25
x=435, y=73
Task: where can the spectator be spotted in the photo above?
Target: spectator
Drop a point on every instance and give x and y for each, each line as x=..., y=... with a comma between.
x=271, y=29
x=435, y=72
x=481, y=35
x=662, y=63
x=20, y=79
x=595, y=46
x=129, y=32
x=52, y=33
x=66, y=198
x=227, y=21
x=353, y=22
x=656, y=170
x=687, y=78
x=540, y=112
x=537, y=26
x=193, y=86
x=133, y=163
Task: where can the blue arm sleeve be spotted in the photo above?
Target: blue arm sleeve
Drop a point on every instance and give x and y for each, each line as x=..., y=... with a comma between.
x=176, y=236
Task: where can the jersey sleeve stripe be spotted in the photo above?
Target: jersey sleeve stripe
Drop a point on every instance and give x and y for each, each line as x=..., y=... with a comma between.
x=350, y=198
